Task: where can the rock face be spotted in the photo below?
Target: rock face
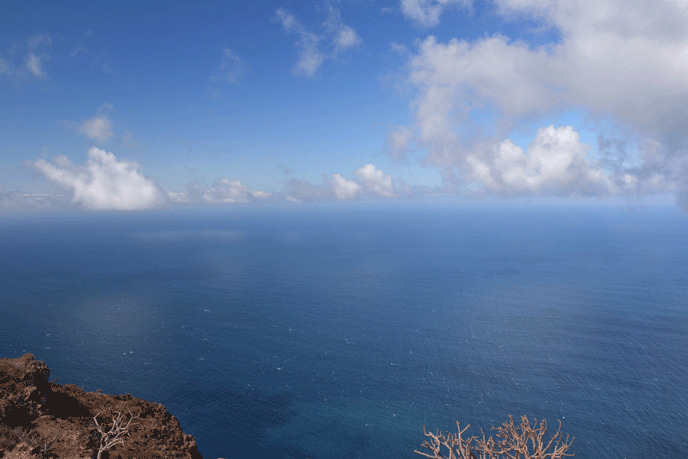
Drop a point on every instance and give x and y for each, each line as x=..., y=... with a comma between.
x=41, y=419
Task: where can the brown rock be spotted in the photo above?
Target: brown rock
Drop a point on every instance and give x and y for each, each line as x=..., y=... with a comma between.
x=40, y=419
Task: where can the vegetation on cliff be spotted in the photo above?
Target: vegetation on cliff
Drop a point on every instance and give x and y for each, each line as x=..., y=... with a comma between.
x=43, y=419
x=513, y=442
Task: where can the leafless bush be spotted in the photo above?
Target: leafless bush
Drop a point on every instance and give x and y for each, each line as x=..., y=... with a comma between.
x=46, y=447
x=9, y=437
x=114, y=435
x=513, y=442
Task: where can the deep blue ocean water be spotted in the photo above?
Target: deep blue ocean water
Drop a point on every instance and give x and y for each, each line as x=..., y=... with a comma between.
x=329, y=333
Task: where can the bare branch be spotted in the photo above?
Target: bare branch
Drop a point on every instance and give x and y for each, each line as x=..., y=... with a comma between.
x=114, y=435
x=513, y=442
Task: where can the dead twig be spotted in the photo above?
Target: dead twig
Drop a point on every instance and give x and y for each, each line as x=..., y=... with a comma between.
x=114, y=435
x=513, y=442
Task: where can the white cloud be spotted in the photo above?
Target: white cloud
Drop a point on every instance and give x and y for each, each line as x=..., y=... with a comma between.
x=337, y=36
x=376, y=181
x=310, y=57
x=62, y=161
x=34, y=60
x=223, y=191
x=427, y=13
x=346, y=38
x=97, y=128
x=33, y=63
x=625, y=60
x=369, y=180
x=398, y=141
x=344, y=189
x=25, y=201
x=554, y=164
x=231, y=69
x=343, y=36
x=104, y=183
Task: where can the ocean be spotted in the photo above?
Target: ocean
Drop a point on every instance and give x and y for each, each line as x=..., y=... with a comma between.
x=339, y=332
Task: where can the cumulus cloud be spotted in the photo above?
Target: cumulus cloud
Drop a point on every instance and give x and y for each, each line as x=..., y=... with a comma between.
x=369, y=180
x=427, y=13
x=336, y=38
x=231, y=69
x=105, y=183
x=376, y=181
x=345, y=189
x=627, y=61
x=97, y=128
x=554, y=164
x=223, y=191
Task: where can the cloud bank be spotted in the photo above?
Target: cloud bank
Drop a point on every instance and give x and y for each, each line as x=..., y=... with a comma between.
x=15, y=201
x=105, y=183
x=370, y=181
x=223, y=191
x=622, y=61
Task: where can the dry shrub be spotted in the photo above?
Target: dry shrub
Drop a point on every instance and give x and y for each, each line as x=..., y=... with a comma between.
x=513, y=442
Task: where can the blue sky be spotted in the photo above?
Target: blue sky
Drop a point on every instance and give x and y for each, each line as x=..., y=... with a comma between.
x=141, y=105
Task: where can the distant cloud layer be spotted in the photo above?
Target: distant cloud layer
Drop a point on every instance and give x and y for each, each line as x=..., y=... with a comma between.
x=24, y=201
x=628, y=60
x=223, y=191
x=105, y=183
x=370, y=181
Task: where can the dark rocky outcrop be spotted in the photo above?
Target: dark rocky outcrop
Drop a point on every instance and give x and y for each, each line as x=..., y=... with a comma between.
x=42, y=419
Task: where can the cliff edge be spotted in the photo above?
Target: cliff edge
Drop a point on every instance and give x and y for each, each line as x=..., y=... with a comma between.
x=42, y=419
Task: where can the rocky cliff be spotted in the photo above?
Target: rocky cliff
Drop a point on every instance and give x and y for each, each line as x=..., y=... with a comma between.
x=42, y=419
